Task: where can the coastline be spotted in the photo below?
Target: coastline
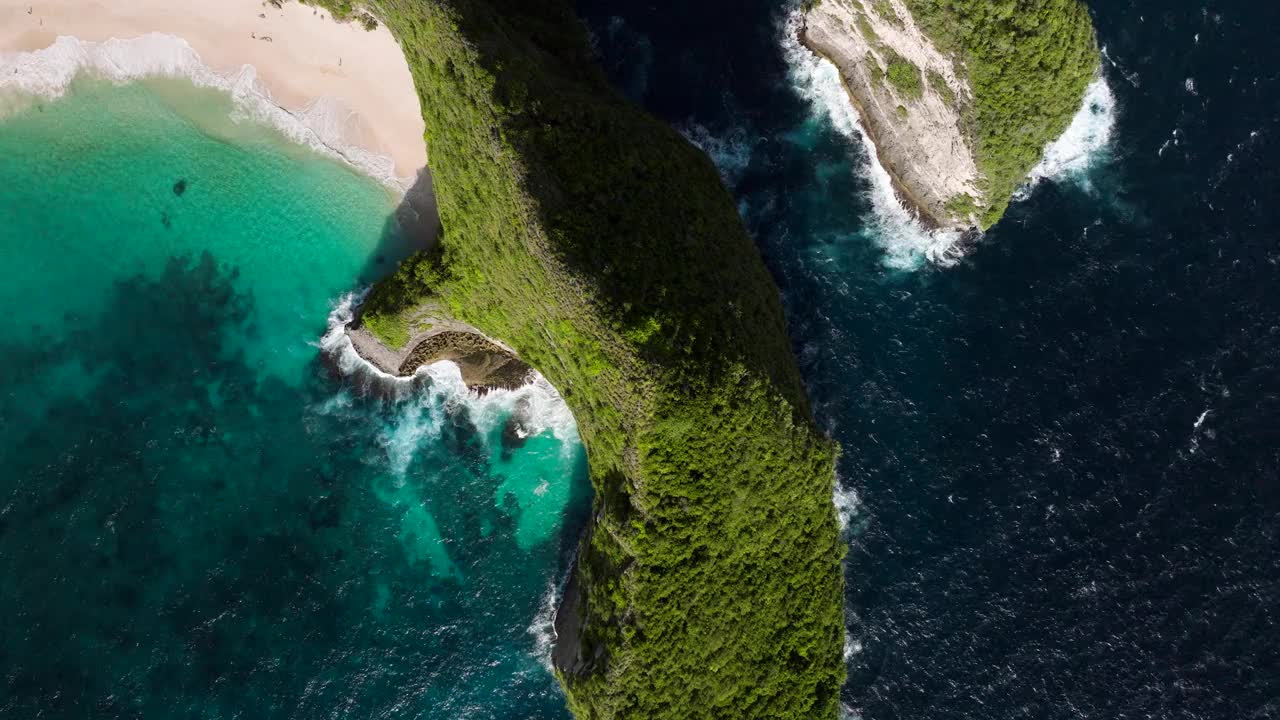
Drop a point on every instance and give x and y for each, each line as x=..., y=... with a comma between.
x=336, y=87
x=919, y=137
x=909, y=201
x=909, y=237
x=485, y=363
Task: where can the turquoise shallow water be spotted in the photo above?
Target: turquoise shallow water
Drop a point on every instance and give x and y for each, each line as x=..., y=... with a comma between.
x=202, y=513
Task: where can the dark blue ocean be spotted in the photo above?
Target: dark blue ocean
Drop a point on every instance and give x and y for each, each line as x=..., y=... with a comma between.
x=1061, y=443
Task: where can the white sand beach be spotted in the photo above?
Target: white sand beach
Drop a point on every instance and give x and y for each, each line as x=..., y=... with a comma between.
x=349, y=88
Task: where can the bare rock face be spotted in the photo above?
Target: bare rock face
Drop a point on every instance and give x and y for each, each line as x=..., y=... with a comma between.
x=486, y=364
x=917, y=125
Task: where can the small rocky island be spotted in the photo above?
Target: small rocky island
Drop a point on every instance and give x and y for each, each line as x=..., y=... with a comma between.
x=960, y=99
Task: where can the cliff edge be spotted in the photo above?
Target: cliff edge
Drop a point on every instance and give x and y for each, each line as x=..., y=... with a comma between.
x=960, y=97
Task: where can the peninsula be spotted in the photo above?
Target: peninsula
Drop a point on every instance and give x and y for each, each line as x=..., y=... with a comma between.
x=960, y=97
x=599, y=247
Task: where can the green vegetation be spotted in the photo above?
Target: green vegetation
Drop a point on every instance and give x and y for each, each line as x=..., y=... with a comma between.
x=903, y=112
x=940, y=86
x=1029, y=62
x=872, y=62
x=884, y=9
x=905, y=77
x=343, y=10
x=603, y=247
x=868, y=32
x=961, y=206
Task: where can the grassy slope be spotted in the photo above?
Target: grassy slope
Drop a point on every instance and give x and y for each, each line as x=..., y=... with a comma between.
x=1028, y=63
x=604, y=248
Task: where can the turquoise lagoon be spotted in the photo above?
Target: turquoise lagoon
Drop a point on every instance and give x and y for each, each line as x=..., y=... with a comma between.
x=207, y=507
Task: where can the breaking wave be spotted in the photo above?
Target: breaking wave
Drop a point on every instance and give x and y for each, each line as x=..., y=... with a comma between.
x=543, y=627
x=847, y=505
x=425, y=398
x=1085, y=143
x=321, y=125
x=907, y=243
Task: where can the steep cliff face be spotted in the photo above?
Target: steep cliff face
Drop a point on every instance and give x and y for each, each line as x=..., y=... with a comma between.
x=911, y=98
x=960, y=96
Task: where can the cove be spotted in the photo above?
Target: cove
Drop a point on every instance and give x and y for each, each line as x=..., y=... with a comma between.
x=204, y=509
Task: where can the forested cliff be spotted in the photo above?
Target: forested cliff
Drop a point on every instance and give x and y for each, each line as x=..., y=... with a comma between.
x=603, y=248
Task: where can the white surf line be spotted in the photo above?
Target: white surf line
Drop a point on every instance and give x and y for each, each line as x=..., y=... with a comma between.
x=543, y=407
x=848, y=505
x=320, y=126
x=543, y=627
x=1085, y=143
x=908, y=245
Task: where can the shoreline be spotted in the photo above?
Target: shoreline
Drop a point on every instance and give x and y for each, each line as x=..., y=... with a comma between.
x=909, y=201
x=337, y=88
x=908, y=237
x=922, y=146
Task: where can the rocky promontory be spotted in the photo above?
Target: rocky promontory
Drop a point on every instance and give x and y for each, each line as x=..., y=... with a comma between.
x=911, y=100
x=960, y=98
x=486, y=363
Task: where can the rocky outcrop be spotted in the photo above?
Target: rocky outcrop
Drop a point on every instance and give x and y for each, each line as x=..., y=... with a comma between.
x=486, y=364
x=911, y=98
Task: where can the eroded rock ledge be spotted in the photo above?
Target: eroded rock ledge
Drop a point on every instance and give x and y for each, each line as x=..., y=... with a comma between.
x=486, y=363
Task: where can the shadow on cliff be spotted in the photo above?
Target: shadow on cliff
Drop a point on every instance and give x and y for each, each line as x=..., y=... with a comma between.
x=414, y=226
x=635, y=212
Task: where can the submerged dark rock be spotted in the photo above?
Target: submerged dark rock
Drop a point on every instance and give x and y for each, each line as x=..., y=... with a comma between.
x=180, y=187
x=516, y=431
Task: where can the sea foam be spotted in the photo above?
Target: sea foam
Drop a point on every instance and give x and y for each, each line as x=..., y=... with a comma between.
x=543, y=627
x=321, y=126
x=731, y=153
x=1085, y=143
x=438, y=386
